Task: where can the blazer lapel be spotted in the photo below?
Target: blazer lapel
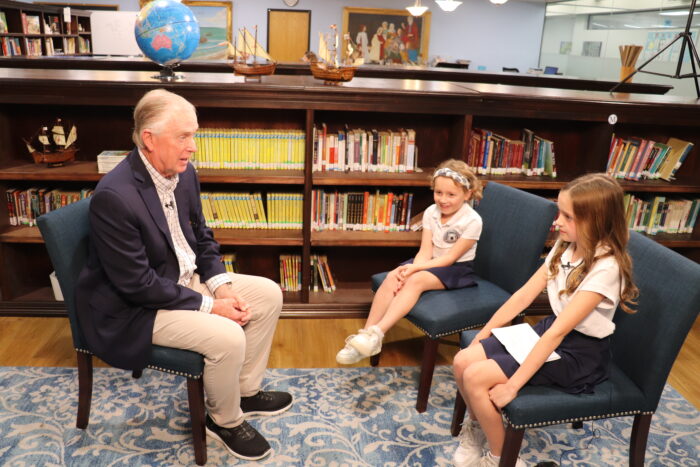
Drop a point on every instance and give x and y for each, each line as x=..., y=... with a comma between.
x=149, y=195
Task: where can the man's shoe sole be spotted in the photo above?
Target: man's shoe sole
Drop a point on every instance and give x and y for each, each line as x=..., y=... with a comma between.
x=266, y=412
x=239, y=455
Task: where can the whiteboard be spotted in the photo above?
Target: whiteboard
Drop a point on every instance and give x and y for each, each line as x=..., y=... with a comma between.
x=113, y=33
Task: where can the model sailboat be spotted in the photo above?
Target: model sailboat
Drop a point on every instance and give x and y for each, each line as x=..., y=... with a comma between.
x=247, y=48
x=54, y=144
x=327, y=66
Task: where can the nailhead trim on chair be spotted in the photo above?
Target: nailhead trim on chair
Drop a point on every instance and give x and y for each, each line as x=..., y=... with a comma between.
x=573, y=420
x=172, y=372
x=187, y=375
x=473, y=326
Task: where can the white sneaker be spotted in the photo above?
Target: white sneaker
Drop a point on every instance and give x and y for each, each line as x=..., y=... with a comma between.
x=471, y=445
x=489, y=460
x=348, y=355
x=368, y=341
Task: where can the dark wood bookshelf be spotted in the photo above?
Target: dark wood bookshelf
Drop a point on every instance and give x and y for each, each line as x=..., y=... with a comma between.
x=443, y=113
x=65, y=29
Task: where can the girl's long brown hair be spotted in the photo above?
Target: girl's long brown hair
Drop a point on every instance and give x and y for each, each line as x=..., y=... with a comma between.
x=600, y=222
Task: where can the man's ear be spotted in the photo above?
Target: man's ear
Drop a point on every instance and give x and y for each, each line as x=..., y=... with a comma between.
x=147, y=138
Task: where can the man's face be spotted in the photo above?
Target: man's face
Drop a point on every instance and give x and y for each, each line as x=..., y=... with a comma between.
x=172, y=146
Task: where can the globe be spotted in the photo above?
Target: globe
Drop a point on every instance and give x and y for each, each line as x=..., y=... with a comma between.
x=167, y=32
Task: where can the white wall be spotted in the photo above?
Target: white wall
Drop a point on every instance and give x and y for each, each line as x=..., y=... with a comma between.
x=488, y=35
x=607, y=66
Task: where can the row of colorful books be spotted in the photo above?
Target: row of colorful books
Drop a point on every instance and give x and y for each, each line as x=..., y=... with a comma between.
x=321, y=277
x=10, y=46
x=492, y=154
x=234, y=148
x=379, y=212
x=252, y=211
x=360, y=150
x=24, y=206
x=661, y=215
x=639, y=158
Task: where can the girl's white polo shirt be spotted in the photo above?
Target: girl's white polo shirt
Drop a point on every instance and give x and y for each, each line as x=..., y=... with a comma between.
x=603, y=278
x=466, y=223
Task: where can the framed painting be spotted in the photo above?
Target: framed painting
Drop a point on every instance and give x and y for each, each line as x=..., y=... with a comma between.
x=386, y=37
x=215, y=24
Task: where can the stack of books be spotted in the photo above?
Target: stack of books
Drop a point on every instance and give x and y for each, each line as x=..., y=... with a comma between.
x=247, y=210
x=638, y=158
x=24, y=206
x=229, y=260
x=360, y=150
x=290, y=273
x=493, y=154
x=321, y=277
x=378, y=212
x=661, y=215
x=107, y=160
x=237, y=148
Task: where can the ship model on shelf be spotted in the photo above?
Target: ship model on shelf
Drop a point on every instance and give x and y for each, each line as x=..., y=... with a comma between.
x=326, y=65
x=54, y=144
x=249, y=58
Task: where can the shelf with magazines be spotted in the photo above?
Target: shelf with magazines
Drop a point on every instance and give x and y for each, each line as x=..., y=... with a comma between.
x=30, y=30
x=444, y=118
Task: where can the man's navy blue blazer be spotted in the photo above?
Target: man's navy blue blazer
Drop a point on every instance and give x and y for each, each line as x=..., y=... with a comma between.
x=132, y=270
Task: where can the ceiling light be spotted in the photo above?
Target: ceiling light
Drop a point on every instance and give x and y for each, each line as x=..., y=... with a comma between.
x=498, y=2
x=417, y=9
x=448, y=5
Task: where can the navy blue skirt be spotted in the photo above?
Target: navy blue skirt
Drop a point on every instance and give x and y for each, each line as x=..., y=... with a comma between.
x=454, y=276
x=584, y=362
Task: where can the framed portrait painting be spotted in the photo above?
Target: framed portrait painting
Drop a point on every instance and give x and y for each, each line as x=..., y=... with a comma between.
x=385, y=37
x=215, y=23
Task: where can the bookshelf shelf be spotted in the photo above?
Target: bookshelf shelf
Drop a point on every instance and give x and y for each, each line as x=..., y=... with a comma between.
x=376, y=239
x=442, y=114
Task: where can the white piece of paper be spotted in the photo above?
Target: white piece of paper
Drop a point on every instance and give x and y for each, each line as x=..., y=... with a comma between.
x=519, y=341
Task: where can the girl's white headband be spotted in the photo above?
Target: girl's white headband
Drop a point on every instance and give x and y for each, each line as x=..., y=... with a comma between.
x=457, y=177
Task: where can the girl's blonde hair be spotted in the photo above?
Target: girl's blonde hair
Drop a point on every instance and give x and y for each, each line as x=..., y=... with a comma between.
x=599, y=215
x=462, y=169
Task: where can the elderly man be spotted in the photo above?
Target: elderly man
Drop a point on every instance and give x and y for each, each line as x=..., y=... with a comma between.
x=154, y=276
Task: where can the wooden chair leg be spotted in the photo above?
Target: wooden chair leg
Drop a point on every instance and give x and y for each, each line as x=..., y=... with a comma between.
x=195, y=397
x=458, y=414
x=136, y=374
x=426, y=373
x=374, y=359
x=638, y=440
x=84, y=389
x=511, y=446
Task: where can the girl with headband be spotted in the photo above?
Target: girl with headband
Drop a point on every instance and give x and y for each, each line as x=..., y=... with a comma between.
x=451, y=229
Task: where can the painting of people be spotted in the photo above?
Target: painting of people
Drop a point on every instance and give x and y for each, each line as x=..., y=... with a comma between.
x=386, y=37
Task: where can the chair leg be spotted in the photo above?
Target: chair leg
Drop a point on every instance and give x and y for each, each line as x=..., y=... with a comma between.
x=638, y=440
x=84, y=389
x=426, y=373
x=374, y=359
x=195, y=397
x=136, y=374
x=511, y=446
x=458, y=414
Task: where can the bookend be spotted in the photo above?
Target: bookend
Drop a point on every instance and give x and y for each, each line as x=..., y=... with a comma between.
x=687, y=38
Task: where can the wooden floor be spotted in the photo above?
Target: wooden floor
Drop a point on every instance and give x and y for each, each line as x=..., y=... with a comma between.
x=299, y=343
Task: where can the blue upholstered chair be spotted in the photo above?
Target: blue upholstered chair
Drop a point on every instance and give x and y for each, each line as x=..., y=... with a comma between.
x=644, y=347
x=516, y=224
x=65, y=233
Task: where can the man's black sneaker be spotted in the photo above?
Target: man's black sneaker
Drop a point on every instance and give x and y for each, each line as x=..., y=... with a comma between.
x=243, y=441
x=266, y=403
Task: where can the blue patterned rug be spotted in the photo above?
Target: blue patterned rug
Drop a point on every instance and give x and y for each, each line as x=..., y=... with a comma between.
x=341, y=417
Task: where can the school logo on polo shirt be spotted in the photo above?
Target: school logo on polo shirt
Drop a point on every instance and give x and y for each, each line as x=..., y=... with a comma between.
x=451, y=236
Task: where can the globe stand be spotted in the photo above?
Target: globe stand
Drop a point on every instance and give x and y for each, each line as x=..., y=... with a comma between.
x=167, y=74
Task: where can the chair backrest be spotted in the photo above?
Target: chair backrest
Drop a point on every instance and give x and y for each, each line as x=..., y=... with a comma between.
x=645, y=344
x=516, y=225
x=66, y=232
